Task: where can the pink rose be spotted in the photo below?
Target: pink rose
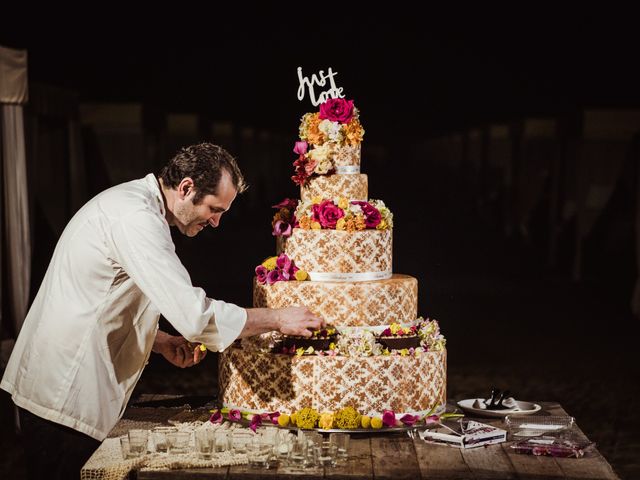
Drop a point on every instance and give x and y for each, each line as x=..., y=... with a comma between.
x=261, y=274
x=301, y=148
x=372, y=215
x=327, y=214
x=337, y=110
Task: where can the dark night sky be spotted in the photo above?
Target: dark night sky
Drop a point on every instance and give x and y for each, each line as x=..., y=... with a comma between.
x=422, y=76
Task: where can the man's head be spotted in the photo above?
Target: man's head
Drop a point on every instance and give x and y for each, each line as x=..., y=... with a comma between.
x=203, y=180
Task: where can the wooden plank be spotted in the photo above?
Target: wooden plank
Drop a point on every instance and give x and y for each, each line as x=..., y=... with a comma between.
x=441, y=461
x=195, y=473
x=489, y=462
x=245, y=472
x=394, y=457
x=288, y=471
x=358, y=465
x=591, y=466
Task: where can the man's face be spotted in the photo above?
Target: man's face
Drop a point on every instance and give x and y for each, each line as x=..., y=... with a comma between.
x=191, y=219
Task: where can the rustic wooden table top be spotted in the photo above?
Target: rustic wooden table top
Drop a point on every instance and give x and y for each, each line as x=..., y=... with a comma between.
x=396, y=456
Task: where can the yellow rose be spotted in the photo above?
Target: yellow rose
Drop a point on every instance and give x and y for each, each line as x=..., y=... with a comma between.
x=340, y=224
x=343, y=203
x=326, y=421
x=301, y=275
x=376, y=422
x=315, y=226
x=270, y=263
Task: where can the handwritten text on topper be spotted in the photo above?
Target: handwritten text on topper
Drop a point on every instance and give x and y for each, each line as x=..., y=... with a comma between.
x=319, y=80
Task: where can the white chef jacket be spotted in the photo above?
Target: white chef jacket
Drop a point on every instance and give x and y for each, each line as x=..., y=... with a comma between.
x=90, y=330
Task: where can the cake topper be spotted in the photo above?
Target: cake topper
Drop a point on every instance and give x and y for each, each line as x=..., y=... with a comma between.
x=321, y=81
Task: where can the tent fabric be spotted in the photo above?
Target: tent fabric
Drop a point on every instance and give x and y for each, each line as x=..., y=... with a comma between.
x=13, y=76
x=16, y=214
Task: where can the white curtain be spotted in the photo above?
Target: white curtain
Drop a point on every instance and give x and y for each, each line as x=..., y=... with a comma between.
x=16, y=251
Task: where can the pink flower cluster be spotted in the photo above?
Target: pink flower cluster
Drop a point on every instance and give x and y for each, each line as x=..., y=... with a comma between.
x=371, y=214
x=284, y=220
x=304, y=166
x=285, y=270
x=327, y=214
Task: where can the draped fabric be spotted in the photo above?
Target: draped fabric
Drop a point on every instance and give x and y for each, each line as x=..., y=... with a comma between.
x=16, y=233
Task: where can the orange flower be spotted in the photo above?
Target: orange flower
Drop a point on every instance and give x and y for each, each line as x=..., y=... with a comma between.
x=350, y=225
x=354, y=132
x=310, y=130
x=360, y=223
x=305, y=222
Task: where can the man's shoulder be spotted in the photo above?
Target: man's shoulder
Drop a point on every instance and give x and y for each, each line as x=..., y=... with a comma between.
x=135, y=195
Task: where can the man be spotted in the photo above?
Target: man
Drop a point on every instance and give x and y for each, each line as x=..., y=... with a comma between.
x=94, y=321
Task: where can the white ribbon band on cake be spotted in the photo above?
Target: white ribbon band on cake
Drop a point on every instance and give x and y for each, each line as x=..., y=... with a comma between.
x=348, y=169
x=348, y=277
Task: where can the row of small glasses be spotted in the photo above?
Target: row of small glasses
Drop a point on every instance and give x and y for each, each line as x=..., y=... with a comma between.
x=165, y=440
x=309, y=449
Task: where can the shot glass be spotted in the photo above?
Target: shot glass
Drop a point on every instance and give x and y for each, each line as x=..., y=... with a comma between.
x=204, y=443
x=220, y=441
x=325, y=454
x=159, y=436
x=239, y=441
x=341, y=441
x=178, y=442
x=298, y=452
x=259, y=452
x=138, y=442
x=124, y=447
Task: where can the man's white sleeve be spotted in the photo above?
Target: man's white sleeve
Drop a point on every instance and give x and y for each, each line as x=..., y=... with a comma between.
x=142, y=246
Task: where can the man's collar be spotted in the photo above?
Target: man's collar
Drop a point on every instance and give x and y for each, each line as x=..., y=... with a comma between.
x=154, y=187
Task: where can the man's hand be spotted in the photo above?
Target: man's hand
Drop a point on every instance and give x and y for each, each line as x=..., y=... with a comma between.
x=177, y=350
x=298, y=321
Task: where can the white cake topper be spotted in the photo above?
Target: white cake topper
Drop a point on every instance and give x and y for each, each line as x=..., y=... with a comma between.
x=321, y=81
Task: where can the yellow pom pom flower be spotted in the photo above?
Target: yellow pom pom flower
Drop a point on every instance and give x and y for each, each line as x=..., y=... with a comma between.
x=301, y=275
x=307, y=418
x=270, y=263
x=283, y=420
x=365, y=421
x=347, y=417
x=341, y=224
x=315, y=226
x=293, y=419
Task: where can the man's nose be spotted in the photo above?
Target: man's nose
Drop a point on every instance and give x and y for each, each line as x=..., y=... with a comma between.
x=214, y=221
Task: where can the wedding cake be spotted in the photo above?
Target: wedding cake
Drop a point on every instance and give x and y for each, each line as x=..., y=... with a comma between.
x=334, y=250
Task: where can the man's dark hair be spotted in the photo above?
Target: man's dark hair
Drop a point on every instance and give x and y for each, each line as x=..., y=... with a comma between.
x=204, y=164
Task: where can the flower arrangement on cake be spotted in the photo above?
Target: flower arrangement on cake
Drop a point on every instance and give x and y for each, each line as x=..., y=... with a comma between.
x=341, y=214
x=347, y=418
x=284, y=221
x=336, y=125
x=277, y=269
x=397, y=337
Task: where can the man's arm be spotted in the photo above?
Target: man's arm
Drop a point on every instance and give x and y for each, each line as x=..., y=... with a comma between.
x=289, y=321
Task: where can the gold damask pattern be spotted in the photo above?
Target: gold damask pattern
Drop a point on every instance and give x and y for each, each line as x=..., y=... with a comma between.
x=266, y=382
x=352, y=187
x=346, y=156
x=338, y=251
x=352, y=304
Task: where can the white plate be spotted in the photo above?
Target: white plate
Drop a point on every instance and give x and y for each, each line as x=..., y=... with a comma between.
x=522, y=408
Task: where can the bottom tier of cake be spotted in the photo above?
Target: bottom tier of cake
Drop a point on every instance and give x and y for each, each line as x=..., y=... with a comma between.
x=265, y=382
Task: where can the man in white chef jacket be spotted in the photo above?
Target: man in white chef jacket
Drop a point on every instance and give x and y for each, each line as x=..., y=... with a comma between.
x=94, y=321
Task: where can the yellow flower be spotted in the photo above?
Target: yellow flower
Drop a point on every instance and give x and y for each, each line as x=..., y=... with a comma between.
x=283, y=420
x=347, y=417
x=299, y=352
x=354, y=132
x=293, y=419
x=382, y=225
x=317, y=200
x=307, y=418
x=350, y=225
x=326, y=421
x=301, y=275
x=395, y=328
x=270, y=263
x=315, y=226
x=376, y=422
x=365, y=421
x=202, y=348
x=343, y=203
x=332, y=346
x=360, y=223
x=340, y=224
x=404, y=352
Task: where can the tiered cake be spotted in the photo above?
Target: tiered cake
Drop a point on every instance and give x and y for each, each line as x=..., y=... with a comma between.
x=335, y=250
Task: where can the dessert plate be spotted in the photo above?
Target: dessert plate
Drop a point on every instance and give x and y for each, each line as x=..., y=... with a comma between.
x=521, y=408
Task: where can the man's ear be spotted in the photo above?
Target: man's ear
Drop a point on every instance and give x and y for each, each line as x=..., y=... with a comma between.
x=185, y=187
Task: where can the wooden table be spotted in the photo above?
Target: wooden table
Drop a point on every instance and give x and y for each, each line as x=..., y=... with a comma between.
x=397, y=456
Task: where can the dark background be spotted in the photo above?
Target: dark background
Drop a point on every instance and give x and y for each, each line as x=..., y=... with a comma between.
x=512, y=319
